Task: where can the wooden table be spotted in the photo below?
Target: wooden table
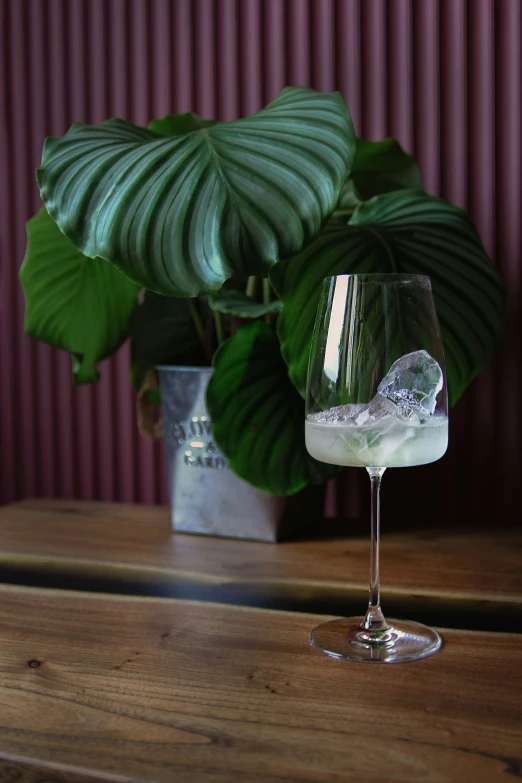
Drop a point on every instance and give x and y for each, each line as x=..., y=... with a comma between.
x=122, y=687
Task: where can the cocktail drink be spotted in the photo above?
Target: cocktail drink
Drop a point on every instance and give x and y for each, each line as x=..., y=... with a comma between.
x=376, y=398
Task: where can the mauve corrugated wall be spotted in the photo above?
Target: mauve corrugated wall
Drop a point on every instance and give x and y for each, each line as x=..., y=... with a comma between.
x=443, y=76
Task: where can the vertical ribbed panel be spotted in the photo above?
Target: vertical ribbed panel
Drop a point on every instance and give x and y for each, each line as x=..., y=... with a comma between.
x=443, y=76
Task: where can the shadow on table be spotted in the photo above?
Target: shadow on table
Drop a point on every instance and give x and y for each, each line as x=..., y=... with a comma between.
x=462, y=613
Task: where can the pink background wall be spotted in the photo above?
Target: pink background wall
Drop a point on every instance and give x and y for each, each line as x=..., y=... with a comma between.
x=443, y=76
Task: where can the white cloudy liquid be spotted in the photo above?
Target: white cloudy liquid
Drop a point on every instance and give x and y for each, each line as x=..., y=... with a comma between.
x=389, y=443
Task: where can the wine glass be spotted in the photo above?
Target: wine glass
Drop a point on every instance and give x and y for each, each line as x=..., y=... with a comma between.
x=376, y=398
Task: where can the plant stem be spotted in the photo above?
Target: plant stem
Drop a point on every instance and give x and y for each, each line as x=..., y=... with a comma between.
x=196, y=320
x=219, y=327
x=344, y=213
x=267, y=290
x=251, y=286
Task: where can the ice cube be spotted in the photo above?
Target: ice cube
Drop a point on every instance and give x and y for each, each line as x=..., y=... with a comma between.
x=341, y=413
x=408, y=392
x=377, y=409
x=411, y=384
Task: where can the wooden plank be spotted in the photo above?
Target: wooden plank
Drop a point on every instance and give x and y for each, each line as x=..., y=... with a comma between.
x=480, y=565
x=162, y=690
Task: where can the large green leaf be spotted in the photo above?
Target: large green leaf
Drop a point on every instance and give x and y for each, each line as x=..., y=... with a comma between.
x=237, y=303
x=79, y=304
x=383, y=166
x=182, y=214
x=409, y=232
x=258, y=416
x=378, y=167
x=162, y=331
x=178, y=124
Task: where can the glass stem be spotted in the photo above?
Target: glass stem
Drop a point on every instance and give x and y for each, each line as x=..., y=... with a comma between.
x=374, y=619
x=218, y=321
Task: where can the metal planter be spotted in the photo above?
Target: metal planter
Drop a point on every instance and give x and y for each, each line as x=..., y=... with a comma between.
x=206, y=496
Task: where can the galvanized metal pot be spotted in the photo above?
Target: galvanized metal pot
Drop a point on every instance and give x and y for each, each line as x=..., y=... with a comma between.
x=206, y=496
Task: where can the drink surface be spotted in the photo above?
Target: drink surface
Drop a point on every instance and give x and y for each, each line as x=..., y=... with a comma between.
x=388, y=443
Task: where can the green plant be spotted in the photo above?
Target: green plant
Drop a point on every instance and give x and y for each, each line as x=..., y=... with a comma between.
x=230, y=228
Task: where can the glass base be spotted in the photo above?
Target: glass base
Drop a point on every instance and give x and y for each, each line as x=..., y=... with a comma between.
x=400, y=641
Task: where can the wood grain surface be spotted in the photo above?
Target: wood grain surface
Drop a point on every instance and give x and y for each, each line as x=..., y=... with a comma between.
x=481, y=565
x=125, y=689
